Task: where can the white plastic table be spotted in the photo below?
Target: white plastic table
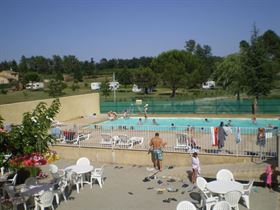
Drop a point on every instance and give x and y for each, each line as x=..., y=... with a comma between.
x=81, y=169
x=223, y=187
x=35, y=190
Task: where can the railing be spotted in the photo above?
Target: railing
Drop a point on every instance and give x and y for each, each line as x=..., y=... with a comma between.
x=179, y=139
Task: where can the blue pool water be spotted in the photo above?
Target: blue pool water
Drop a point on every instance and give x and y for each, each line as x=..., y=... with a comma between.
x=185, y=122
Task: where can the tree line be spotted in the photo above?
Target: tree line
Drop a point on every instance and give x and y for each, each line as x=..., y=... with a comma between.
x=252, y=70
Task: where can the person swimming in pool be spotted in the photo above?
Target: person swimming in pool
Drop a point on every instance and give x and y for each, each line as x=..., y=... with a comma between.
x=155, y=122
x=139, y=122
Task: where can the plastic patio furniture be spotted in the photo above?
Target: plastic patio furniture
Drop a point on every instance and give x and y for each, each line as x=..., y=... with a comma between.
x=61, y=190
x=246, y=193
x=201, y=184
x=133, y=139
x=83, y=161
x=225, y=174
x=30, y=181
x=222, y=205
x=44, y=200
x=107, y=140
x=15, y=198
x=182, y=141
x=185, y=205
x=233, y=198
x=124, y=141
x=13, y=181
x=97, y=174
x=77, y=180
x=56, y=172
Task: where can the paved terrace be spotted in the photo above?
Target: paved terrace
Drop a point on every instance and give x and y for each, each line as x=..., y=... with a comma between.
x=124, y=188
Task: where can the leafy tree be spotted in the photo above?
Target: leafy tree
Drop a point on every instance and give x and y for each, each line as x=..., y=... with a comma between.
x=78, y=74
x=57, y=65
x=259, y=72
x=56, y=88
x=124, y=76
x=229, y=73
x=190, y=46
x=70, y=63
x=75, y=86
x=23, y=64
x=174, y=66
x=31, y=77
x=32, y=135
x=145, y=78
x=104, y=88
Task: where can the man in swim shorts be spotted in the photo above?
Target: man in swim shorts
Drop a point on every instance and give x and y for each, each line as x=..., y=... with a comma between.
x=156, y=145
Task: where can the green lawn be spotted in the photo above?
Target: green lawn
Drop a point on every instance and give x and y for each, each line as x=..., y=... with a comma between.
x=122, y=94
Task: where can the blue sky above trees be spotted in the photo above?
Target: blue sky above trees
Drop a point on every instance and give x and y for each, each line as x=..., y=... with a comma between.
x=129, y=28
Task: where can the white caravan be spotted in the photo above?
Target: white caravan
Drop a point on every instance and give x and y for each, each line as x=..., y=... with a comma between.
x=208, y=85
x=34, y=86
x=95, y=85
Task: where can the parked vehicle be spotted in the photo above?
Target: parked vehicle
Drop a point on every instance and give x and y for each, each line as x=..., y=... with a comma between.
x=114, y=85
x=208, y=85
x=95, y=85
x=135, y=89
x=34, y=86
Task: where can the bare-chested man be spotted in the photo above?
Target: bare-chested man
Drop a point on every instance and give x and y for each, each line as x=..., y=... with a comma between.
x=157, y=144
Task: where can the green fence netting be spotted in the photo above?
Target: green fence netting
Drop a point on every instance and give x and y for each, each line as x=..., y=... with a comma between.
x=207, y=106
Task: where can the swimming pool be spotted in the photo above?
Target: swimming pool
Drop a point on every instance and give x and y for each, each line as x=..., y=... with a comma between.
x=186, y=121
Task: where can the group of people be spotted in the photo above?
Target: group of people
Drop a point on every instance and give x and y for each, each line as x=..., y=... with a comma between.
x=112, y=115
x=156, y=146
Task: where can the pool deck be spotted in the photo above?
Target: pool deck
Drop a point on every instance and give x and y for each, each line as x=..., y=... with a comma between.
x=124, y=189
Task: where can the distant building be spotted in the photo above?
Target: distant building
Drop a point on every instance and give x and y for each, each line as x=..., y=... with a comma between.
x=8, y=76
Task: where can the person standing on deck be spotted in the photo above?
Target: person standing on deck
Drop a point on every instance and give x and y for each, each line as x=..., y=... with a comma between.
x=221, y=136
x=156, y=145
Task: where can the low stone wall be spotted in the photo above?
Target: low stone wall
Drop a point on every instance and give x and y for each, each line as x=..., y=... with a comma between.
x=139, y=157
x=71, y=107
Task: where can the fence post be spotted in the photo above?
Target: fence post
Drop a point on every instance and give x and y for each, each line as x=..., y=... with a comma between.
x=278, y=149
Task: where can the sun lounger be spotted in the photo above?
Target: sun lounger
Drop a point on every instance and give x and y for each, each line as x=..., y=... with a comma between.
x=182, y=142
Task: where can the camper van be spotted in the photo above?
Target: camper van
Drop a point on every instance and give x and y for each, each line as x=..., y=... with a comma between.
x=135, y=89
x=114, y=85
x=34, y=86
x=208, y=85
x=95, y=85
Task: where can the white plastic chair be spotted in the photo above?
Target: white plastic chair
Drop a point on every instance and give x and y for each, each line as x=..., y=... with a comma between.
x=61, y=190
x=246, y=193
x=13, y=181
x=53, y=168
x=206, y=197
x=15, y=198
x=201, y=184
x=97, y=174
x=107, y=140
x=182, y=141
x=185, y=205
x=124, y=141
x=233, y=198
x=222, y=205
x=83, y=161
x=44, y=200
x=30, y=181
x=206, y=194
x=55, y=172
x=77, y=180
x=225, y=174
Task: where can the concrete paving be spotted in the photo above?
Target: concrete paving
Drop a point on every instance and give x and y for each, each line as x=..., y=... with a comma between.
x=124, y=188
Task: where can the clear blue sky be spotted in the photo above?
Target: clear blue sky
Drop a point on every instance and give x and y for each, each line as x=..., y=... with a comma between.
x=128, y=28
